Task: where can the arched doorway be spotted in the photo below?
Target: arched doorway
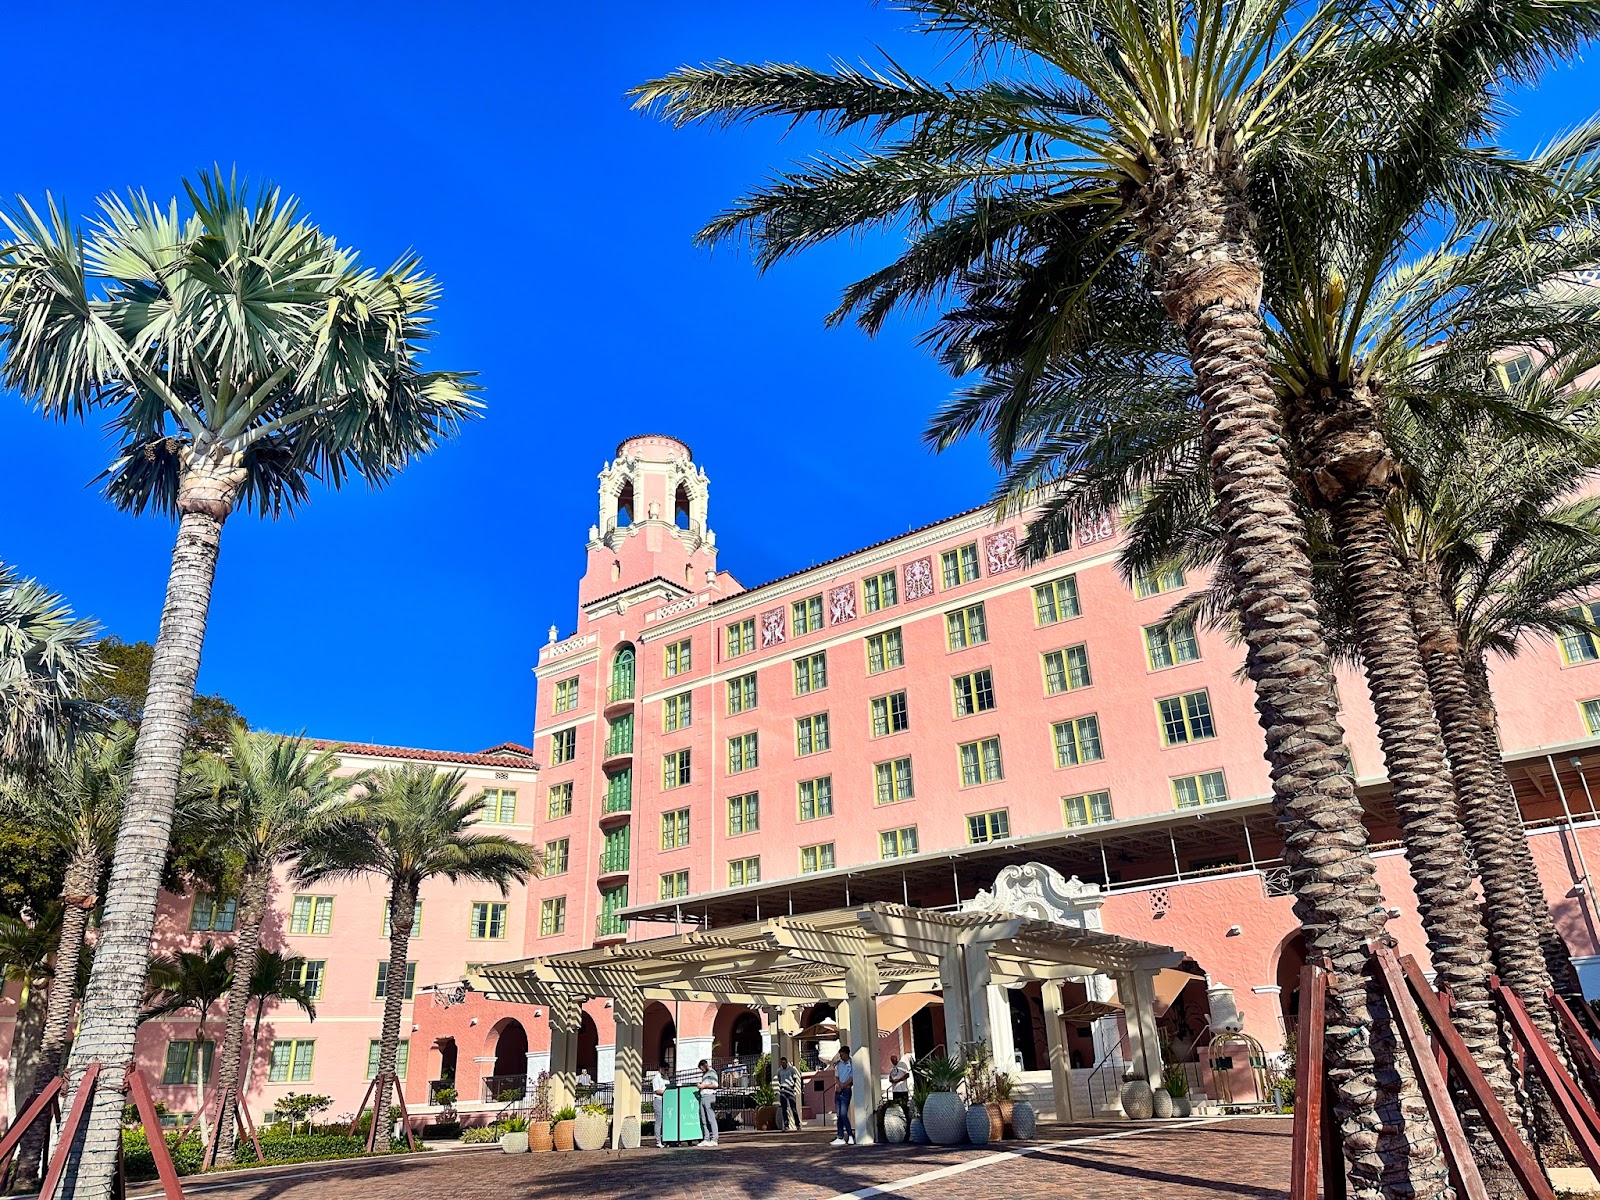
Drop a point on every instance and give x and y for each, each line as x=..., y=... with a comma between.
x=442, y=1060
x=1027, y=1028
x=510, y=1073
x=744, y=1039
x=588, y=1046
x=1291, y=959
x=660, y=1037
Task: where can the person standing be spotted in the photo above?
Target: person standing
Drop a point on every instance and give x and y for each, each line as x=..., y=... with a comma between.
x=788, y=1094
x=658, y=1102
x=900, y=1082
x=708, y=1100
x=844, y=1076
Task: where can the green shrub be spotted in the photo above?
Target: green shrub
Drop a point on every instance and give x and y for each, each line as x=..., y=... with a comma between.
x=186, y=1149
x=567, y=1114
x=480, y=1135
x=516, y=1124
x=302, y=1147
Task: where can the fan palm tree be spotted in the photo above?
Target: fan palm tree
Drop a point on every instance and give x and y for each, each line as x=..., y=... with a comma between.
x=191, y=979
x=25, y=950
x=76, y=803
x=47, y=661
x=242, y=355
x=277, y=979
x=413, y=826
x=272, y=797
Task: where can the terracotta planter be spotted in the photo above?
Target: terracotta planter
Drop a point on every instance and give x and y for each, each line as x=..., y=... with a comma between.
x=945, y=1119
x=1007, y=1110
x=539, y=1140
x=1024, y=1120
x=766, y=1118
x=997, y=1123
x=563, y=1135
x=978, y=1124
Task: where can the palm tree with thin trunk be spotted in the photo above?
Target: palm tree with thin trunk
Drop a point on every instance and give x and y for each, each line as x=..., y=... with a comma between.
x=277, y=979
x=272, y=798
x=76, y=803
x=412, y=826
x=242, y=355
x=48, y=662
x=191, y=979
x=26, y=948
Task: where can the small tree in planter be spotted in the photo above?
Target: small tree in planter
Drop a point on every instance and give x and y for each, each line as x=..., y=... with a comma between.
x=1176, y=1081
x=943, y=1114
x=766, y=1101
x=539, y=1138
x=445, y=1098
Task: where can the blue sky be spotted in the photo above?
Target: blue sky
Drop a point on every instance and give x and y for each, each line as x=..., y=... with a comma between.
x=495, y=140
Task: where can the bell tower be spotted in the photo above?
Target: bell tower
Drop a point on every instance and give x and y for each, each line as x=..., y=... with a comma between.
x=652, y=522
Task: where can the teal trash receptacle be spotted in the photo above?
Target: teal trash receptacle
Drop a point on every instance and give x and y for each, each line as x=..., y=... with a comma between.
x=680, y=1115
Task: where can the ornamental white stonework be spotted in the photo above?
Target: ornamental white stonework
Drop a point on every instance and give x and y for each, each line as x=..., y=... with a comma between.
x=1040, y=893
x=772, y=627
x=842, y=604
x=1100, y=529
x=1000, y=551
x=918, y=578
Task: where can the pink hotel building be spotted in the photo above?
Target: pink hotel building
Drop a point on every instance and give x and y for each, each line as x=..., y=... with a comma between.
x=897, y=724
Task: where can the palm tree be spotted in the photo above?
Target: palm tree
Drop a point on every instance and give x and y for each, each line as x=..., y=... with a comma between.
x=413, y=826
x=47, y=662
x=191, y=979
x=76, y=804
x=25, y=950
x=272, y=797
x=242, y=355
x=277, y=979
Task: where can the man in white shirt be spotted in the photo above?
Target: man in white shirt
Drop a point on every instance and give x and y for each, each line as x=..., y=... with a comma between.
x=900, y=1082
x=658, y=1102
x=844, y=1076
x=708, y=1097
x=585, y=1080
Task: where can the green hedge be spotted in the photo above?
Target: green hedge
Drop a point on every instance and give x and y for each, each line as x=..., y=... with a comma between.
x=186, y=1150
x=276, y=1147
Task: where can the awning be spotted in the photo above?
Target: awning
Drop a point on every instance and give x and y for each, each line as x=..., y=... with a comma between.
x=822, y=1031
x=1091, y=1010
x=895, y=1011
x=1169, y=982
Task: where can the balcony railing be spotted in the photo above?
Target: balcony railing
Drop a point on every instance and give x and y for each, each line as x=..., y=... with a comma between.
x=501, y=1087
x=620, y=742
x=609, y=925
x=619, y=800
x=613, y=859
x=621, y=689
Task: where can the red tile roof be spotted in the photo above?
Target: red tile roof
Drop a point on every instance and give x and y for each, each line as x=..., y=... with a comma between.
x=506, y=754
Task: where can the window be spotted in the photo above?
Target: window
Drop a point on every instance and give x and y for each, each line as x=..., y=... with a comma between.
x=897, y=843
x=960, y=565
x=892, y=780
x=806, y=615
x=676, y=712
x=560, y=800
x=742, y=753
x=557, y=856
x=974, y=693
x=1579, y=645
x=1514, y=370
x=622, y=677
x=744, y=813
x=1170, y=643
x=499, y=807
x=311, y=914
x=402, y=1058
x=1088, y=809
x=816, y=798
x=1077, y=741
x=678, y=658
x=674, y=769
x=1186, y=718
x=741, y=693
x=980, y=762
x=1066, y=669
x=213, y=915
x=966, y=627
x=1056, y=601
x=416, y=919
x=1191, y=791
x=563, y=747
x=552, y=916
x=1591, y=715
x=741, y=637
x=183, y=1062
x=1153, y=583
x=674, y=885
x=742, y=872
x=816, y=858
x=566, y=694
x=989, y=827
x=488, y=921
x=811, y=734
x=675, y=829
x=291, y=1060
x=380, y=991
x=310, y=974
x=885, y=651
x=889, y=714
x=810, y=673
x=619, y=736
x=619, y=790
x=879, y=592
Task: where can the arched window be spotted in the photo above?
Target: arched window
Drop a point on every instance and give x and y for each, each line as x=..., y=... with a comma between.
x=680, y=507
x=625, y=504
x=622, y=674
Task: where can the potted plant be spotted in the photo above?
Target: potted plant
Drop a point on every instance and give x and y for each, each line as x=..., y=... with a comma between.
x=565, y=1119
x=766, y=1101
x=1176, y=1081
x=1138, y=1099
x=892, y=1120
x=592, y=1128
x=983, y=1109
x=918, y=1133
x=539, y=1138
x=1001, y=1087
x=445, y=1098
x=944, y=1117
x=514, y=1135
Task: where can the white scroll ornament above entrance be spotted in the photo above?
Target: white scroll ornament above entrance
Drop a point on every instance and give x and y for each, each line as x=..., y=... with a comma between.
x=1040, y=893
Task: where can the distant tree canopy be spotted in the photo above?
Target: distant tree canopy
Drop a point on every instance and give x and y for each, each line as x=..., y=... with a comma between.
x=122, y=690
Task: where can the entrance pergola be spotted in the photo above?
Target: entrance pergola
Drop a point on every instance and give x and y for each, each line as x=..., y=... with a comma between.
x=851, y=957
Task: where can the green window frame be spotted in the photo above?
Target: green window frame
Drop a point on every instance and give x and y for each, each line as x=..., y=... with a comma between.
x=675, y=769
x=1154, y=583
x=563, y=746
x=616, y=847
x=1077, y=741
x=805, y=616
x=811, y=673
x=381, y=987
x=674, y=885
x=973, y=692
x=742, y=694
x=566, y=694
x=1066, y=669
x=1579, y=645
x=1056, y=600
x=889, y=714
x=815, y=797
x=291, y=1060
x=742, y=753
x=678, y=659
x=892, y=781
x=211, y=915
x=560, y=801
x=980, y=762
x=499, y=806
x=885, y=651
x=677, y=712
x=1186, y=718
x=488, y=921
x=992, y=826
x=744, y=872
x=1086, y=808
x=387, y=926
x=183, y=1062
x=897, y=843
x=623, y=674
x=1196, y=791
x=744, y=813
x=816, y=858
x=311, y=916
x=966, y=627
x=558, y=856
x=619, y=790
x=740, y=637
x=402, y=1058
x=960, y=565
x=675, y=828
x=1591, y=714
x=619, y=735
x=811, y=734
x=1170, y=644
x=552, y=916
x=879, y=592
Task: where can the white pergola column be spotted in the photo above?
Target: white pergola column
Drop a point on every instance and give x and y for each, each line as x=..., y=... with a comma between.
x=1136, y=989
x=627, y=1008
x=1002, y=1042
x=565, y=1017
x=1106, y=1031
x=953, y=990
x=861, y=999
x=1055, y=1037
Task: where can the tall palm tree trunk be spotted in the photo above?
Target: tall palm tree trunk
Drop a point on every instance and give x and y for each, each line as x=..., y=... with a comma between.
x=117, y=982
x=78, y=894
x=247, y=944
x=1212, y=283
x=402, y=912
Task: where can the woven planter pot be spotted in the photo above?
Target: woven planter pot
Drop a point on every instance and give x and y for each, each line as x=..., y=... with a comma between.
x=514, y=1143
x=628, y=1133
x=1007, y=1108
x=1024, y=1121
x=1181, y=1106
x=539, y=1140
x=562, y=1137
x=591, y=1131
x=895, y=1128
x=919, y=1131
x=945, y=1119
x=978, y=1124
x=1161, y=1103
x=1138, y=1100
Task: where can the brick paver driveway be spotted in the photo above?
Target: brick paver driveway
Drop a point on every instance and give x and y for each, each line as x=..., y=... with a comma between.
x=1189, y=1160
